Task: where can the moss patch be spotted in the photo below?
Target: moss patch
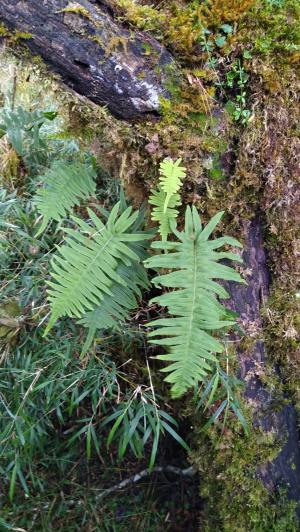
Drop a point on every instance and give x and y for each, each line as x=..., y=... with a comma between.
x=77, y=9
x=234, y=498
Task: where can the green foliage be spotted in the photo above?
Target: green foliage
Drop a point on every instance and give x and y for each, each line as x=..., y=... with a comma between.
x=171, y=174
x=42, y=381
x=50, y=383
x=136, y=420
x=209, y=42
x=85, y=267
x=236, y=80
x=54, y=403
x=166, y=198
x=23, y=131
x=220, y=391
x=194, y=309
x=115, y=307
x=64, y=186
x=275, y=3
x=276, y=30
x=162, y=216
x=7, y=201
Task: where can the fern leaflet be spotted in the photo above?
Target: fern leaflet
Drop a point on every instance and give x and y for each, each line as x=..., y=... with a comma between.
x=85, y=268
x=194, y=308
x=64, y=186
x=171, y=174
x=164, y=218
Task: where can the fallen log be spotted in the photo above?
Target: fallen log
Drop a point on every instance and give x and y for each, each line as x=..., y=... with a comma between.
x=127, y=71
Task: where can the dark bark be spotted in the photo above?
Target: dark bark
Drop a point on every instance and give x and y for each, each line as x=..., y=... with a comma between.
x=271, y=413
x=98, y=58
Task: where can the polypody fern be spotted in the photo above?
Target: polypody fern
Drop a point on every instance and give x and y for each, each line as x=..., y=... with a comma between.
x=194, y=309
x=171, y=175
x=115, y=307
x=87, y=267
x=64, y=186
x=164, y=217
x=166, y=198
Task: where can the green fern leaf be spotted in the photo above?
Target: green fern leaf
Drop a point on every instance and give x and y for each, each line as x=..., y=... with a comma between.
x=164, y=217
x=171, y=174
x=195, y=310
x=116, y=306
x=64, y=186
x=86, y=267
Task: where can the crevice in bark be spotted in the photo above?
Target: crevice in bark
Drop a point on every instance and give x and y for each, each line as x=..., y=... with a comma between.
x=270, y=412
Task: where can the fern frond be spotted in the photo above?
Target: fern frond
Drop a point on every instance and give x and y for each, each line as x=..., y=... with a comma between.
x=85, y=268
x=116, y=306
x=64, y=186
x=171, y=174
x=193, y=306
x=164, y=217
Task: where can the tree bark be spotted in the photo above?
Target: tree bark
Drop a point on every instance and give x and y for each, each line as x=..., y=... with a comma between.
x=98, y=58
x=271, y=414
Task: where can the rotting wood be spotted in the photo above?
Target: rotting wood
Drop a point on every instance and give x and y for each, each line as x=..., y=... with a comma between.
x=127, y=71
x=271, y=414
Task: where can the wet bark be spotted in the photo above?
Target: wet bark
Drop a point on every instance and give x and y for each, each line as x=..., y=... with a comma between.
x=272, y=413
x=97, y=57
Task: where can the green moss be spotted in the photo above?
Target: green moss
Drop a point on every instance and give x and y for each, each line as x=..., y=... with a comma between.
x=235, y=499
x=4, y=32
x=97, y=39
x=180, y=24
x=14, y=36
x=274, y=29
x=78, y=9
x=116, y=43
x=22, y=35
x=282, y=325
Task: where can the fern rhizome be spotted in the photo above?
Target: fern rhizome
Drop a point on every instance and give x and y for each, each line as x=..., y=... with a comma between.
x=99, y=272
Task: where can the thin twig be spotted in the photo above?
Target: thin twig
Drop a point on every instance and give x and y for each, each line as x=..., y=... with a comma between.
x=188, y=472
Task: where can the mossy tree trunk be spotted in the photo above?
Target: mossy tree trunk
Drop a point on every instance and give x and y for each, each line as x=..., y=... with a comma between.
x=272, y=413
